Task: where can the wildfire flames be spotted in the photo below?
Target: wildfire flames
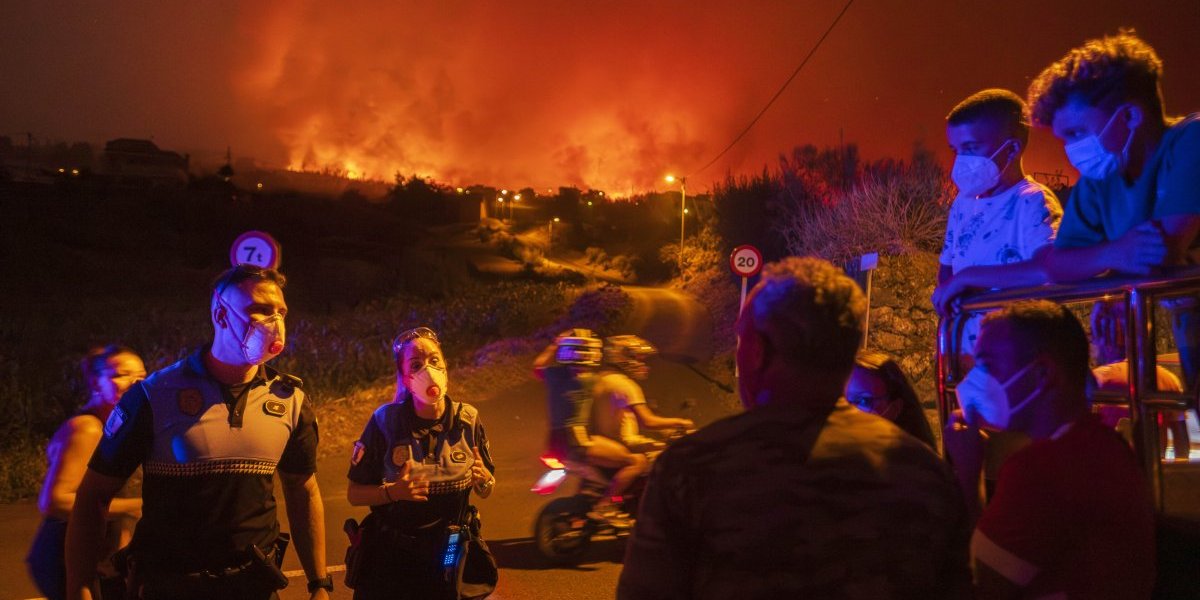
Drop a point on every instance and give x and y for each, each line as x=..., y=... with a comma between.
x=471, y=92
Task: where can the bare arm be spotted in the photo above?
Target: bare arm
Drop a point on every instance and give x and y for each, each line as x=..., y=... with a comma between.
x=964, y=446
x=1020, y=274
x=543, y=360
x=646, y=418
x=1180, y=231
x=306, y=514
x=69, y=452
x=85, y=530
x=1137, y=252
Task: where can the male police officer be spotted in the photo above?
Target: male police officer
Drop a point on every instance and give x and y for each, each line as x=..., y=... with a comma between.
x=210, y=432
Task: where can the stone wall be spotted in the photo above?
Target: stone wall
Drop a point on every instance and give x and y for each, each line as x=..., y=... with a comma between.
x=903, y=322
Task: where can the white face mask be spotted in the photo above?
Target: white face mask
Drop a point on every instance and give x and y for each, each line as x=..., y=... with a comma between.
x=263, y=339
x=982, y=397
x=428, y=384
x=1092, y=159
x=975, y=175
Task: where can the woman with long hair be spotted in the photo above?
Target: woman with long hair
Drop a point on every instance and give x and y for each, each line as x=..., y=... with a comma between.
x=878, y=385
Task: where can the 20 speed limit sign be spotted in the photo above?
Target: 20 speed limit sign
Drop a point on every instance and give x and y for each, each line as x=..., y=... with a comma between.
x=257, y=248
x=746, y=261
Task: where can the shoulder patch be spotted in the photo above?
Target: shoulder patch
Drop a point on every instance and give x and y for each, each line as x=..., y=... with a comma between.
x=356, y=454
x=115, y=420
x=190, y=401
x=275, y=408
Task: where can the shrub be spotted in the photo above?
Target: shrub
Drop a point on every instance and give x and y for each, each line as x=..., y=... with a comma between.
x=701, y=254
x=895, y=209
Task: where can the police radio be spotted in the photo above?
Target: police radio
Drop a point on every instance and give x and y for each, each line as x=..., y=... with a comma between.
x=453, y=552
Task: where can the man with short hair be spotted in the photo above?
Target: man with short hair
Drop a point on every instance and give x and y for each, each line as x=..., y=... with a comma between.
x=1072, y=515
x=619, y=405
x=1136, y=206
x=802, y=495
x=210, y=432
x=1001, y=217
x=568, y=367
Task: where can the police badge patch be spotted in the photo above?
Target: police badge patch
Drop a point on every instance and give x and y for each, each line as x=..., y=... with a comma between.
x=274, y=408
x=458, y=456
x=400, y=455
x=357, y=454
x=115, y=420
x=190, y=402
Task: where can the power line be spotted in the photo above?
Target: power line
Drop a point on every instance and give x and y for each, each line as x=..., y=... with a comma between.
x=785, y=85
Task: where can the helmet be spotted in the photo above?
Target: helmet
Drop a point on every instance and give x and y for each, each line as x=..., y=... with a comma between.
x=579, y=347
x=628, y=353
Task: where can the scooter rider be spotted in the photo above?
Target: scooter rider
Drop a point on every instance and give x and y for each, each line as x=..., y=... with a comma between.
x=569, y=368
x=619, y=403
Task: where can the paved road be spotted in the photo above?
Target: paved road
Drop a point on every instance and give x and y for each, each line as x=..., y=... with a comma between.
x=515, y=418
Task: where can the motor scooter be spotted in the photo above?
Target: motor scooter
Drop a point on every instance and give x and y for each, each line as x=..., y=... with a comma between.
x=565, y=527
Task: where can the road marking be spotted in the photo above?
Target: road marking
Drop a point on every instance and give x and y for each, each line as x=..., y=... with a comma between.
x=299, y=572
x=288, y=574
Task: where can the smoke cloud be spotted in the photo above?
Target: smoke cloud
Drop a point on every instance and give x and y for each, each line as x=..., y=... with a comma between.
x=604, y=95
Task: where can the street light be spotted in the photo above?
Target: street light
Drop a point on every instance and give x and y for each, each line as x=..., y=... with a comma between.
x=682, y=212
x=552, y=222
x=516, y=197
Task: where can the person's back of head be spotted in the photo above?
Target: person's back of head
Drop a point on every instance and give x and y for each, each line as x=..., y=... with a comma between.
x=1102, y=73
x=803, y=321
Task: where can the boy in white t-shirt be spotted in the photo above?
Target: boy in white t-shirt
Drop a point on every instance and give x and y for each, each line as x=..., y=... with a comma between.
x=1001, y=218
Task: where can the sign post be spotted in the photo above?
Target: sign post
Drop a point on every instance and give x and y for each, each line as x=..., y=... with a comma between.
x=745, y=262
x=867, y=263
x=256, y=248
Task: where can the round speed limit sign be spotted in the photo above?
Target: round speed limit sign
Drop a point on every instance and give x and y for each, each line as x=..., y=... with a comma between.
x=256, y=248
x=746, y=261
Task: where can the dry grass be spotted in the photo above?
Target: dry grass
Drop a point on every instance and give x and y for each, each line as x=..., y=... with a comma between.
x=894, y=212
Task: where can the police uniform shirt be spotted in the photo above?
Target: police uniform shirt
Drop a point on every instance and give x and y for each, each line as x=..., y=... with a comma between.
x=209, y=455
x=395, y=435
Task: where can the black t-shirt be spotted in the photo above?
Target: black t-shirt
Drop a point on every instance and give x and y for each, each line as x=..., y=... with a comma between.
x=208, y=490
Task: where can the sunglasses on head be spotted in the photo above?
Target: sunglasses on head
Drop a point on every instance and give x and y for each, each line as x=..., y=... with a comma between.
x=409, y=335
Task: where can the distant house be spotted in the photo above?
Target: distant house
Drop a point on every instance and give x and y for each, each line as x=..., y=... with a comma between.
x=141, y=162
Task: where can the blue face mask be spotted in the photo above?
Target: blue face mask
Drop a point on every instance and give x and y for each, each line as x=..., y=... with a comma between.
x=1092, y=159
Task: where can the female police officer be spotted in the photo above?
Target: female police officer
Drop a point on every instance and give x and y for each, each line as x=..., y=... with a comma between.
x=415, y=465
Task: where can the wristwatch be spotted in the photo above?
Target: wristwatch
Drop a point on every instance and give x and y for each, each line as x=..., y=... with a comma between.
x=324, y=582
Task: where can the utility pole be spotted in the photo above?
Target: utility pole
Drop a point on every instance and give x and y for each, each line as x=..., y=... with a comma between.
x=682, y=212
x=682, y=218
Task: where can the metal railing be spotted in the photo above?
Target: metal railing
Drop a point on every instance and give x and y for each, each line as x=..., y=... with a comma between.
x=1140, y=296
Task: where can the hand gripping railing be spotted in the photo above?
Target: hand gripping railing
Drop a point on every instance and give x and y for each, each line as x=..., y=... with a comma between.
x=1140, y=295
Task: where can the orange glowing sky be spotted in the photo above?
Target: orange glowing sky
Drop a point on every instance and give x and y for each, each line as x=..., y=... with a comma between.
x=607, y=95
